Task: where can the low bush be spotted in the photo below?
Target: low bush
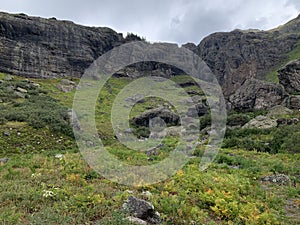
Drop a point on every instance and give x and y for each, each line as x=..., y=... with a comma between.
x=237, y=119
x=37, y=109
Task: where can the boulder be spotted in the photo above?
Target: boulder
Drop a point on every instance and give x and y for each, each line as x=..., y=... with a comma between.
x=6, y=133
x=22, y=90
x=293, y=102
x=136, y=221
x=261, y=122
x=74, y=120
x=279, y=110
x=19, y=94
x=289, y=76
x=66, y=85
x=287, y=121
x=198, y=109
x=280, y=179
x=169, y=117
x=67, y=82
x=142, y=209
x=4, y=160
x=65, y=88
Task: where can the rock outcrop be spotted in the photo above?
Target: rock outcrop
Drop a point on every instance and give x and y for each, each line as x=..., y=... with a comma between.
x=293, y=102
x=149, y=68
x=256, y=94
x=280, y=179
x=261, y=122
x=289, y=77
x=168, y=117
x=141, y=209
x=37, y=47
x=237, y=56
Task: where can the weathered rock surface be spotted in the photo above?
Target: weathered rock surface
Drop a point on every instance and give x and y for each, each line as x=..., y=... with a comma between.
x=237, y=56
x=142, y=209
x=6, y=133
x=256, y=94
x=279, y=110
x=149, y=68
x=4, y=160
x=293, y=102
x=37, y=47
x=280, y=179
x=66, y=85
x=136, y=221
x=287, y=121
x=261, y=122
x=289, y=77
x=169, y=117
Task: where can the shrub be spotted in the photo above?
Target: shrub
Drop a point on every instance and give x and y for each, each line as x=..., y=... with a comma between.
x=237, y=119
x=141, y=131
x=37, y=110
x=205, y=121
x=286, y=139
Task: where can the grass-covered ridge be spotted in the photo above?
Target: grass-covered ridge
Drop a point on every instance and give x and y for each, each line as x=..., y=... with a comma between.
x=46, y=180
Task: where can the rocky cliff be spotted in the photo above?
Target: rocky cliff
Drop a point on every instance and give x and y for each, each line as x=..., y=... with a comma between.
x=289, y=77
x=237, y=56
x=37, y=47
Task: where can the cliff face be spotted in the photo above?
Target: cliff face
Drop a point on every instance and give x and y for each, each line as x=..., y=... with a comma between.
x=37, y=47
x=289, y=77
x=237, y=56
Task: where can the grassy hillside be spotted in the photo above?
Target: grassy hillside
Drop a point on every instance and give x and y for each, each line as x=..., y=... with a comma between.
x=46, y=181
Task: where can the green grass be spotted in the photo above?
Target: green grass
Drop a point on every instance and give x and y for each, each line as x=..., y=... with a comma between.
x=33, y=106
x=80, y=196
x=39, y=188
x=50, y=86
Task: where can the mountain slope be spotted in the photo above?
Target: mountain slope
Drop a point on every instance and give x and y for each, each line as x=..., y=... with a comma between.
x=37, y=47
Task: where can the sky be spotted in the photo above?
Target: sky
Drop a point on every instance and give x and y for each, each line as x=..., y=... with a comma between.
x=178, y=21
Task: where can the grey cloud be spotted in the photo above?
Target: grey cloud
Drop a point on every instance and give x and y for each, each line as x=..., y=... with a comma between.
x=295, y=3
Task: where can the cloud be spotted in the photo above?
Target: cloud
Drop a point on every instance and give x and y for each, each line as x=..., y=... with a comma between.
x=195, y=22
x=178, y=21
x=294, y=3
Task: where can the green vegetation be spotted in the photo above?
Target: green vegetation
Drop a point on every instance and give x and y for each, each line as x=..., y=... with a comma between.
x=283, y=138
x=46, y=180
x=31, y=105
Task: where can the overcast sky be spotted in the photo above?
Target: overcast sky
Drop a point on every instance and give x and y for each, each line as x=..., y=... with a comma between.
x=178, y=21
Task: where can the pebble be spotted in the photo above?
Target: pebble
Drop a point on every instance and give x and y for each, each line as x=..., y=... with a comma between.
x=4, y=160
